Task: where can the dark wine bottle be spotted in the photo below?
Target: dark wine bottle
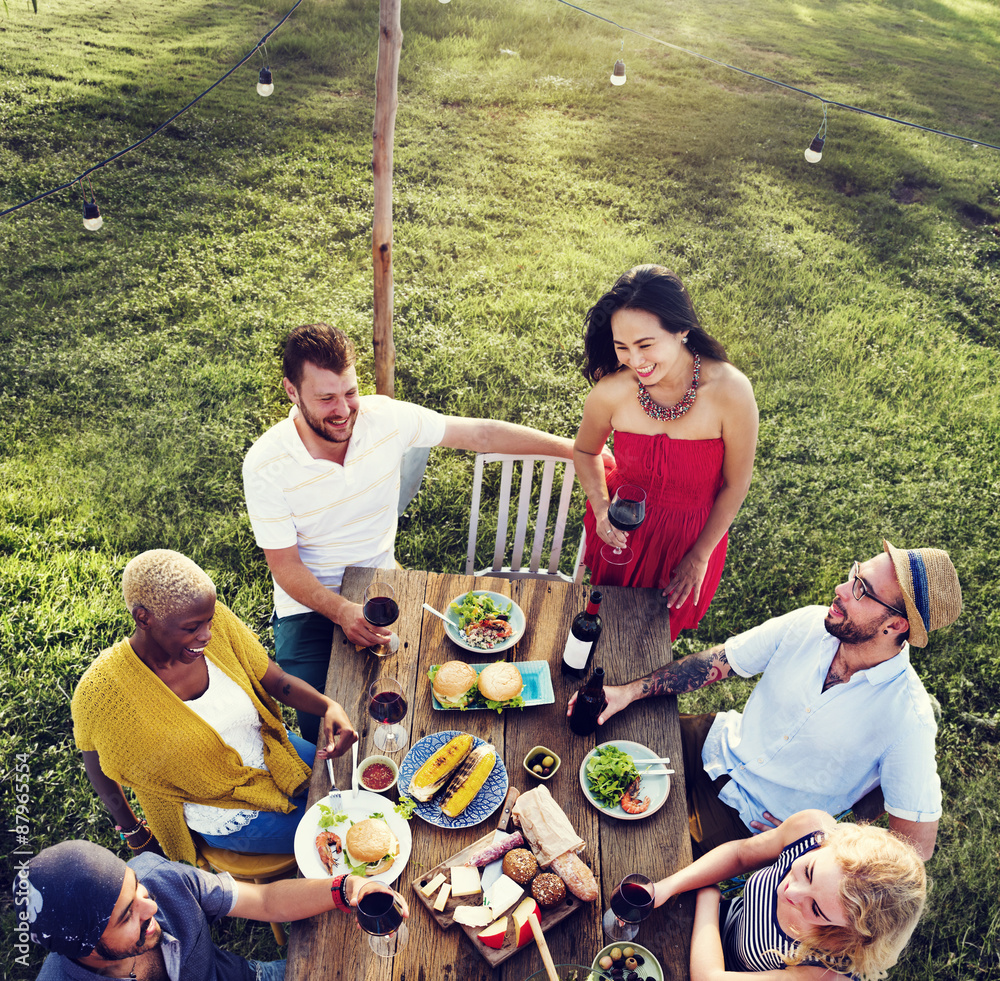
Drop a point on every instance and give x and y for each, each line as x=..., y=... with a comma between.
x=584, y=633
x=590, y=702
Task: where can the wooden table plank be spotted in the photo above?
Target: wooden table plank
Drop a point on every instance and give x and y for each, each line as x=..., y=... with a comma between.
x=636, y=640
x=638, y=623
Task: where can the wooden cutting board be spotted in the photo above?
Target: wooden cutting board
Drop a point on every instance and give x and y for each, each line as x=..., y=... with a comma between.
x=445, y=918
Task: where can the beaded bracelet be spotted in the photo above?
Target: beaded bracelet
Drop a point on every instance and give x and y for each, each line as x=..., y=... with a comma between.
x=139, y=848
x=128, y=834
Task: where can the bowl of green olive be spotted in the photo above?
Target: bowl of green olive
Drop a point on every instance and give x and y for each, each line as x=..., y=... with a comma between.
x=541, y=763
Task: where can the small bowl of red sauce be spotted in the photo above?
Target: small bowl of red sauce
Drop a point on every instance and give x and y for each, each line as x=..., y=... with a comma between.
x=378, y=773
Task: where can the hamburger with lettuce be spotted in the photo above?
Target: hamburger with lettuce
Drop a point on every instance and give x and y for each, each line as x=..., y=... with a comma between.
x=371, y=847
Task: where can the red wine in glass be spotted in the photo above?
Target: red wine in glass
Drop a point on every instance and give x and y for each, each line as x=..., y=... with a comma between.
x=380, y=915
x=626, y=512
x=381, y=611
x=387, y=706
x=631, y=903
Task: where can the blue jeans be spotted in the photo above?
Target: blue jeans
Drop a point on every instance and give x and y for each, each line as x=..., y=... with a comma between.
x=271, y=832
x=268, y=970
x=302, y=644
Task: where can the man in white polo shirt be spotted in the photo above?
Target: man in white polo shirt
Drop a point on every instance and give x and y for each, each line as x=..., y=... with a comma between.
x=322, y=488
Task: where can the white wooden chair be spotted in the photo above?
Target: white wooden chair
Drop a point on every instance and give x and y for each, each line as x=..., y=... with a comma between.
x=527, y=504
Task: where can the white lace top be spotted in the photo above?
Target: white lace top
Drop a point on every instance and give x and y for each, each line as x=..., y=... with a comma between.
x=228, y=710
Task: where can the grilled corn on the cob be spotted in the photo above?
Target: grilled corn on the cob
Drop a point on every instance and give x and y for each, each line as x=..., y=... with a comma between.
x=469, y=780
x=434, y=774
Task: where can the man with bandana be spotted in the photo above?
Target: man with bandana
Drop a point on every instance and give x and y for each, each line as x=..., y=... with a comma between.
x=838, y=716
x=149, y=920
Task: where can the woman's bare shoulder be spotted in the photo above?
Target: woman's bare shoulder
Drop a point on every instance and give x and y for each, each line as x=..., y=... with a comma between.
x=728, y=383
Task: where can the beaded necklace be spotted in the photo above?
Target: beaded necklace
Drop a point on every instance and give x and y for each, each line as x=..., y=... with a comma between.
x=668, y=413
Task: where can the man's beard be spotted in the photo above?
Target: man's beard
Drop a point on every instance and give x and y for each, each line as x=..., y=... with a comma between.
x=318, y=426
x=848, y=631
x=113, y=954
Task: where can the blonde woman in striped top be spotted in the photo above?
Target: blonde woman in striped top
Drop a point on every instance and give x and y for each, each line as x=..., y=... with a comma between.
x=827, y=900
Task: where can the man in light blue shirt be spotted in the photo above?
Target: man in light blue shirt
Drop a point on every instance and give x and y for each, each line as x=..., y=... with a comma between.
x=838, y=713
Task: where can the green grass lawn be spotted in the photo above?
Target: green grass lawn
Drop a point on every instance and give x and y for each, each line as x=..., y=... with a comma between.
x=859, y=295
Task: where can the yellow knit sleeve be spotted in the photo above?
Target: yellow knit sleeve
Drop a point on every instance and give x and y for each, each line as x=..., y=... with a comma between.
x=86, y=705
x=242, y=639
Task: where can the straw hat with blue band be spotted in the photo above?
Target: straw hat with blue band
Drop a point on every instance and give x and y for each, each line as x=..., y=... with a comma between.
x=931, y=591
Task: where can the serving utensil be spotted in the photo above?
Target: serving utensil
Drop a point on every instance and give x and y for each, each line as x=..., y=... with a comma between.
x=430, y=609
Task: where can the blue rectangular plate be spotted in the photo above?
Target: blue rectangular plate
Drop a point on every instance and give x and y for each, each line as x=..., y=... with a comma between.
x=537, y=686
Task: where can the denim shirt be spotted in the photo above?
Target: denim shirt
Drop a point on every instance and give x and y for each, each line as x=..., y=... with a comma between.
x=189, y=902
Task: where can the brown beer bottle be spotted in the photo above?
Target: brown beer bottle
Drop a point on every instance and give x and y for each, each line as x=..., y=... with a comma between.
x=590, y=702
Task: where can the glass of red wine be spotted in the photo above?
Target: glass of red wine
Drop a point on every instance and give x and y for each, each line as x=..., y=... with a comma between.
x=381, y=610
x=380, y=915
x=631, y=903
x=387, y=706
x=626, y=512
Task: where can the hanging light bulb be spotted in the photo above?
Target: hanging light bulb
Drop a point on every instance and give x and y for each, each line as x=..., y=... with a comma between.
x=264, y=85
x=92, y=219
x=814, y=153
x=618, y=74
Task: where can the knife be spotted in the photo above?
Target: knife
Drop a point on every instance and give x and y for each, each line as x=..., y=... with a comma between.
x=354, y=769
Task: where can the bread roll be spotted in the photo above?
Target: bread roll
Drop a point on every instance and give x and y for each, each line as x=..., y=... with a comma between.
x=578, y=878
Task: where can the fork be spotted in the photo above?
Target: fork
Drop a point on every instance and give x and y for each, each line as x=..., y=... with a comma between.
x=334, y=795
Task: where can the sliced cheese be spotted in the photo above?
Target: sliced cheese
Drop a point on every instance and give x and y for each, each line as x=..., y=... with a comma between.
x=442, y=897
x=465, y=881
x=503, y=895
x=433, y=884
x=474, y=916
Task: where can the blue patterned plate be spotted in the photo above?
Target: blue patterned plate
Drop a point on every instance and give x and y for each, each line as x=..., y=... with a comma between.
x=537, y=688
x=483, y=804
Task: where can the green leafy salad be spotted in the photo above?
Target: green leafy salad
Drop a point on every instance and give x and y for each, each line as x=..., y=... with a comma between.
x=475, y=607
x=609, y=773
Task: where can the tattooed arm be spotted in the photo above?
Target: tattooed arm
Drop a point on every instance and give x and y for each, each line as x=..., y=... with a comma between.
x=688, y=674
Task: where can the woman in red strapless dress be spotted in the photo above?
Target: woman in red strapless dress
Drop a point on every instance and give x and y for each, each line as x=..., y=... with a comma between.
x=685, y=430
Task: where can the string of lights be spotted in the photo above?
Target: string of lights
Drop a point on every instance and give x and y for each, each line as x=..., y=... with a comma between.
x=618, y=78
x=265, y=86
x=92, y=215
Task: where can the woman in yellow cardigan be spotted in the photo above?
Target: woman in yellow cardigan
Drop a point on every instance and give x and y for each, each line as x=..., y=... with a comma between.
x=184, y=713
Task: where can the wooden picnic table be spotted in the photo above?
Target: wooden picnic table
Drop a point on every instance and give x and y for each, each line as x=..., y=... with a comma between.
x=635, y=640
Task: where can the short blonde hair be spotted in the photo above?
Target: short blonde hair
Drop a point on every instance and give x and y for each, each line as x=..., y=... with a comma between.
x=164, y=582
x=882, y=892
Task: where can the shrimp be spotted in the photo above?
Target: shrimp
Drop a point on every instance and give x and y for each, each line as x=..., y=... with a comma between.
x=500, y=628
x=323, y=842
x=630, y=802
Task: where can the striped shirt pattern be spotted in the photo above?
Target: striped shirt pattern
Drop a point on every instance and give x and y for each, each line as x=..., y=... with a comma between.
x=337, y=515
x=751, y=937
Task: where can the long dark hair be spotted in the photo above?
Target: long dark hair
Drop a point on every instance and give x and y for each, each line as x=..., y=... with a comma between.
x=656, y=290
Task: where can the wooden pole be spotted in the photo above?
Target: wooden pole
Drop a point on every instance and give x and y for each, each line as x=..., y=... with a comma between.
x=390, y=41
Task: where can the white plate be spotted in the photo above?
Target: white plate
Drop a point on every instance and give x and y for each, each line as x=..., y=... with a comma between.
x=357, y=809
x=489, y=798
x=649, y=969
x=516, y=620
x=655, y=788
